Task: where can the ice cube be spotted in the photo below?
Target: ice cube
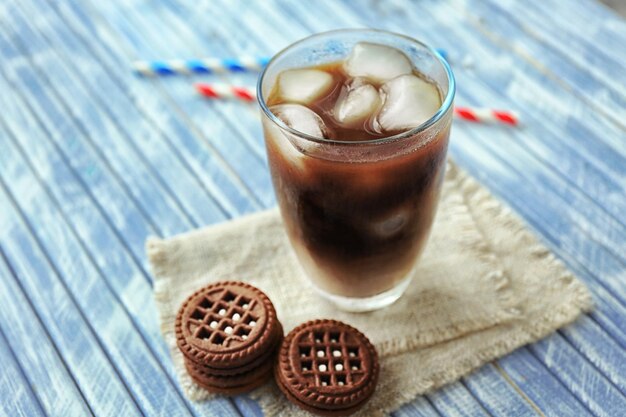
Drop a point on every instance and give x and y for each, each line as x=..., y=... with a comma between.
x=392, y=224
x=408, y=102
x=377, y=63
x=304, y=86
x=302, y=119
x=356, y=104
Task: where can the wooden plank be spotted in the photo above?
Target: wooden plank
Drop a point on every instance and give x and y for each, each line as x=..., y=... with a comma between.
x=72, y=335
x=85, y=190
x=240, y=155
x=538, y=384
x=566, y=47
x=108, y=320
x=206, y=162
x=79, y=149
x=16, y=397
x=420, y=407
x=95, y=115
x=145, y=294
x=593, y=389
x=126, y=105
x=599, y=349
x=456, y=400
x=497, y=397
x=88, y=221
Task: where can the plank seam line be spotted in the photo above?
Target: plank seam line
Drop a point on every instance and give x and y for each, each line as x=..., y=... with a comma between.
x=592, y=316
x=79, y=124
x=19, y=364
x=431, y=403
x=247, y=138
x=86, y=87
x=466, y=384
x=541, y=39
x=42, y=125
x=4, y=258
x=543, y=69
x=190, y=125
x=87, y=191
x=516, y=387
x=102, y=275
x=533, y=352
x=582, y=354
x=71, y=297
x=471, y=395
x=576, y=189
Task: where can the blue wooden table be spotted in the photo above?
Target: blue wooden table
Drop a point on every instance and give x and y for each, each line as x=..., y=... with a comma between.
x=93, y=159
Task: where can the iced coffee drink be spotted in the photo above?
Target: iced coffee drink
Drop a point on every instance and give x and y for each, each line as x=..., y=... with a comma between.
x=356, y=126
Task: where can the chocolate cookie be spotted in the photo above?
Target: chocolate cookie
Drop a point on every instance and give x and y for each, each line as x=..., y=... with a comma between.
x=261, y=373
x=225, y=325
x=327, y=367
x=228, y=333
x=269, y=356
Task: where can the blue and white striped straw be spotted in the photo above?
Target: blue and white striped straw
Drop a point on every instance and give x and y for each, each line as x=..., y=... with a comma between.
x=208, y=65
x=200, y=66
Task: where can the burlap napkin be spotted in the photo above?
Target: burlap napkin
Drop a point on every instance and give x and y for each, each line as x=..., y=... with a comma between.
x=484, y=287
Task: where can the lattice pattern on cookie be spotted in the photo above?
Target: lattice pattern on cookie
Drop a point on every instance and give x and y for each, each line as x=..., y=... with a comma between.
x=224, y=318
x=330, y=358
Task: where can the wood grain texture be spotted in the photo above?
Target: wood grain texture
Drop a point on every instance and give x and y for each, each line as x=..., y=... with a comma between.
x=497, y=397
x=72, y=335
x=540, y=385
x=243, y=157
x=121, y=142
x=456, y=400
x=18, y=397
x=129, y=282
x=93, y=159
x=593, y=70
x=418, y=408
x=106, y=47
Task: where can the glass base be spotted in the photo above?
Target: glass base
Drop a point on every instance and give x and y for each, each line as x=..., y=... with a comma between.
x=361, y=305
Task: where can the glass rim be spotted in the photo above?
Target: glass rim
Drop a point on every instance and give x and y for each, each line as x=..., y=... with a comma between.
x=445, y=105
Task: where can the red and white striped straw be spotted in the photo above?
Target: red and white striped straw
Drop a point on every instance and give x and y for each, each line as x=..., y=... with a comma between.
x=482, y=115
x=472, y=114
x=219, y=90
